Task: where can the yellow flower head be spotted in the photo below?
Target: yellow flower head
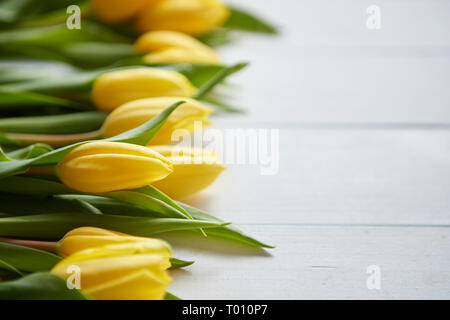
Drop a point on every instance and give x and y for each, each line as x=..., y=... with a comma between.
x=166, y=47
x=194, y=170
x=188, y=16
x=110, y=166
x=89, y=237
x=135, y=113
x=130, y=270
x=115, y=88
x=116, y=11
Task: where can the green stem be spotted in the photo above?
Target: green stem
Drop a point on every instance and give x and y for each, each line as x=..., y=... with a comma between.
x=70, y=123
x=50, y=246
x=41, y=171
x=55, y=140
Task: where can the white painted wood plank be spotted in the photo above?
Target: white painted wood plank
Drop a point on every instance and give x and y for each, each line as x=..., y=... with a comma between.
x=340, y=176
x=326, y=66
x=318, y=263
x=348, y=196
x=343, y=22
x=342, y=89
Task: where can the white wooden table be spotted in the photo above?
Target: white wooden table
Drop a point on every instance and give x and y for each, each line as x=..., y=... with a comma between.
x=364, y=176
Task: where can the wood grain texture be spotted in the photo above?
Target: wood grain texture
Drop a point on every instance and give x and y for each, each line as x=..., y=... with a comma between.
x=318, y=262
x=326, y=66
x=341, y=176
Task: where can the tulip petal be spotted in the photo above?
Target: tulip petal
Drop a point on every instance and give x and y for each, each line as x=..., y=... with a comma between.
x=109, y=166
x=141, y=285
x=188, y=16
x=194, y=170
x=115, y=88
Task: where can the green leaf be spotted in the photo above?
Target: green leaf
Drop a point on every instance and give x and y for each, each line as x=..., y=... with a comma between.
x=27, y=259
x=19, y=205
x=218, y=78
x=149, y=197
x=115, y=207
x=6, y=266
x=3, y=156
x=222, y=105
x=154, y=192
x=243, y=20
x=9, y=99
x=217, y=37
x=54, y=124
x=43, y=188
x=140, y=135
x=24, y=70
x=8, y=168
x=4, y=139
x=97, y=54
x=70, y=82
x=170, y=296
x=33, y=186
x=50, y=12
x=196, y=74
x=93, y=45
x=17, y=11
x=10, y=10
x=226, y=232
x=58, y=35
x=143, y=134
x=55, y=226
x=177, y=263
x=151, y=203
x=112, y=206
x=39, y=286
x=32, y=151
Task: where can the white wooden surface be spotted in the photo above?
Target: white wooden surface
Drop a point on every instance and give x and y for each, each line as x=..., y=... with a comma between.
x=364, y=179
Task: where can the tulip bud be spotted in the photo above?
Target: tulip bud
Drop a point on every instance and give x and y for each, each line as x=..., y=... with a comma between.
x=188, y=16
x=115, y=88
x=110, y=166
x=194, y=170
x=165, y=47
x=89, y=237
x=125, y=271
x=116, y=11
x=135, y=113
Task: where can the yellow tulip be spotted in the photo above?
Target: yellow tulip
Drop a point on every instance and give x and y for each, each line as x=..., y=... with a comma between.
x=115, y=88
x=88, y=237
x=135, y=113
x=166, y=47
x=131, y=270
x=116, y=11
x=194, y=170
x=188, y=16
x=110, y=166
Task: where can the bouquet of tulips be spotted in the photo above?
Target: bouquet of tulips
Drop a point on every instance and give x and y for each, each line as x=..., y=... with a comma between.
x=90, y=172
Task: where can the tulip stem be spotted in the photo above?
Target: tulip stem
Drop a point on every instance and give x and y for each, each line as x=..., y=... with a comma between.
x=55, y=140
x=50, y=246
x=41, y=171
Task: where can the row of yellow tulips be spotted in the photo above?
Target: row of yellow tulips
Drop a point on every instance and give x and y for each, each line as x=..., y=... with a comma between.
x=110, y=166
x=187, y=16
x=115, y=265
x=135, y=96
x=168, y=26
